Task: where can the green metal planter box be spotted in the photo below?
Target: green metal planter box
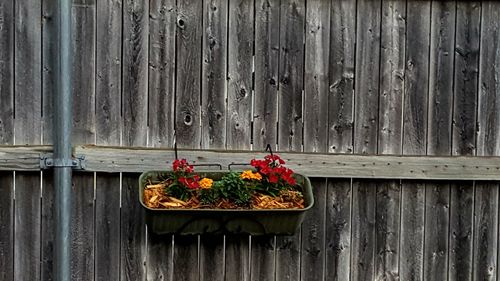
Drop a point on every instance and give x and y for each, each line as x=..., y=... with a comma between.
x=224, y=221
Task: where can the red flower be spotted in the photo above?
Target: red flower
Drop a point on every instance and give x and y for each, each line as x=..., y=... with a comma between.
x=191, y=183
x=273, y=178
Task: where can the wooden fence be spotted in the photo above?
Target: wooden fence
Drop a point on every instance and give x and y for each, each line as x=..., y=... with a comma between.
x=340, y=76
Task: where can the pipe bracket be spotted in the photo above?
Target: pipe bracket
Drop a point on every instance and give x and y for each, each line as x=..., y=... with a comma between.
x=76, y=163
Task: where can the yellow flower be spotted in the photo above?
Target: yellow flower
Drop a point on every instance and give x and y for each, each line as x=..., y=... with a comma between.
x=206, y=183
x=249, y=175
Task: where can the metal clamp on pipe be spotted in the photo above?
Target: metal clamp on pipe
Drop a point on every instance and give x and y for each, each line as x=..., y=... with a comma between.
x=47, y=162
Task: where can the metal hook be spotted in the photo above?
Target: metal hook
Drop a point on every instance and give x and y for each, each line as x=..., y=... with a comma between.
x=268, y=148
x=175, y=151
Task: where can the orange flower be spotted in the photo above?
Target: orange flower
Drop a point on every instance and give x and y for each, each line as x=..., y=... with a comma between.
x=249, y=175
x=206, y=183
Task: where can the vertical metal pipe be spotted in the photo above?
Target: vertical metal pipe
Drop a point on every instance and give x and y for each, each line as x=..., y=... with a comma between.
x=62, y=143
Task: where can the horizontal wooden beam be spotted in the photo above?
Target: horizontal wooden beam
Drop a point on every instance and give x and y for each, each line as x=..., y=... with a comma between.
x=114, y=159
x=136, y=160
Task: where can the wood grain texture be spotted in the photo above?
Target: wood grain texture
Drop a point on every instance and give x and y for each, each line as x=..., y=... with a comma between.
x=135, y=72
x=437, y=205
x=240, y=61
x=265, y=116
x=7, y=72
x=27, y=123
x=365, y=138
x=338, y=230
x=291, y=74
x=47, y=227
x=316, y=78
x=83, y=48
x=187, y=124
x=312, y=260
x=188, y=83
x=161, y=95
x=414, y=137
x=488, y=136
x=214, y=73
x=267, y=48
x=108, y=72
x=464, y=137
x=392, y=67
x=107, y=227
x=7, y=226
x=341, y=76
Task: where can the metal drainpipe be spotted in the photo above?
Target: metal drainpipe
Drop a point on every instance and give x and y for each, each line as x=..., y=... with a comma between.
x=62, y=143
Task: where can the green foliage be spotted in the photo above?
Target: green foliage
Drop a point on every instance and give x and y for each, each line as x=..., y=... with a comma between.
x=231, y=187
x=179, y=191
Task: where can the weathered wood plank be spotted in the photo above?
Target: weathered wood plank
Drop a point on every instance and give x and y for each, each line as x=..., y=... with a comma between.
x=108, y=72
x=464, y=137
x=488, y=136
x=82, y=227
x=48, y=234
x=162, y=28
x=112, y=159
x=188, y=84
x=7, y=72
x=214, y=73
x=437, y=205
x=338, y=230
x=107, y=227
x=365, y=138
x=267, y=46
x=135, y=72
x=341, y=75
x=188, y=118
x=83, y=48
x=239, y=115
x=27, y=123
x=414, y=137
x=291, y=68
x=240, y=61
x=161, y=95
x=317, y=36
x=133, y=236
x=7, y=226
x=392, y=67
x=265, y=116
x=212, y=257
x=316, y=80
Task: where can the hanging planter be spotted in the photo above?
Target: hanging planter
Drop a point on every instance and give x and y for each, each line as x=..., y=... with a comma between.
x=269, y=199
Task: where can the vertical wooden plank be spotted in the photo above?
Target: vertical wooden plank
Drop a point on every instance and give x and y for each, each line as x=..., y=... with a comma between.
x=291, y=71
x=83, y=46
x=214, y=67
x=239, y=108
x=340, y=124
x=7, y=137
x=437, y=215
x=317, y=47
x=290, y=121
x=463, y=138
x=187, y=124
x=365, y=137
x=108, y=72
x=414, y=137
x=485, y=254
x=341, y=75
x=108, y=132
x=188, y=85
x=392, y=67
x=213, y=115
x=6, y=72
x=27, y=124
x=134, y=112
x=7, y=227
x=162, y=18
x=265, y=115
x=82, y=231
x=240, y=60
x=162, y=25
